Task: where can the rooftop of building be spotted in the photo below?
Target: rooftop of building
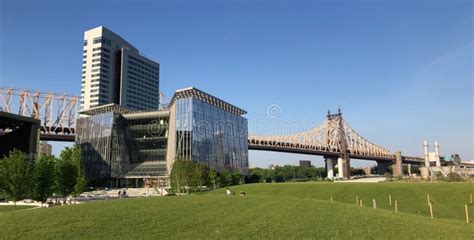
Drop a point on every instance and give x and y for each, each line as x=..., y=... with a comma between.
x=199, y=94
x=111, y=107
x=106, y=31
x=126, y=112
x=179, y=94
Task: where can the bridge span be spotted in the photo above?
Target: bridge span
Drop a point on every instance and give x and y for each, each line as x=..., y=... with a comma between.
x=337, y=142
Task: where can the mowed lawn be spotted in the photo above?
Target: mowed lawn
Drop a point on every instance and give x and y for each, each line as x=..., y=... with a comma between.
x=268, y=211
x=448, y=199
x=9, y=208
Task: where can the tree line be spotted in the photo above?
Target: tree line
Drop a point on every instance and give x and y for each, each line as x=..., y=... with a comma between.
x=189, y=176
x=285, y=173
x=21, y=178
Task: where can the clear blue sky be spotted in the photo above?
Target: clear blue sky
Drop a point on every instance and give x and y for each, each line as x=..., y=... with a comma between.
x=402, y=71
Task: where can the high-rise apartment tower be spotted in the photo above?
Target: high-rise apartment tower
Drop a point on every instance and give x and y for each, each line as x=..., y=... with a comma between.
x=113, y=71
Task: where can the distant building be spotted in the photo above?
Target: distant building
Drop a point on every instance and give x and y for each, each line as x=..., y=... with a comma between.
x=45, y=148
x=305, y=163
x=272, y=166
x=113, y=71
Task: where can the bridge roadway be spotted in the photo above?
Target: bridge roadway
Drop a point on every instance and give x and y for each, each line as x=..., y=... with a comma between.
x=405, y=159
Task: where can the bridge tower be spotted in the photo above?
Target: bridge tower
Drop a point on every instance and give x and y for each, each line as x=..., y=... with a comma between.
x=338, y=129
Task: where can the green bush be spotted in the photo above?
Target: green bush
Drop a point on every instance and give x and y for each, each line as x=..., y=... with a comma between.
x=439, y=176
x=453, y=177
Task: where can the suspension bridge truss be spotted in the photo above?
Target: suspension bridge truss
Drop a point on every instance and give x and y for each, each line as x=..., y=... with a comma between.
x=334, y=137
x=56, y=112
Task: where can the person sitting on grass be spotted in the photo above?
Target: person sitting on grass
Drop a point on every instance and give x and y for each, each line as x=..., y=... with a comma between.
x=228, y=192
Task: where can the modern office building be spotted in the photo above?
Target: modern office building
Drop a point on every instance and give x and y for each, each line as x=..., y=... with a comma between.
x=208, y=130
x=122, y=147
x=113, y=71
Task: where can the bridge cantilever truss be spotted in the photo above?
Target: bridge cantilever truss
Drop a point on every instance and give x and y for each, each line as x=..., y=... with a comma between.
x=56, y=112
x=334, y=137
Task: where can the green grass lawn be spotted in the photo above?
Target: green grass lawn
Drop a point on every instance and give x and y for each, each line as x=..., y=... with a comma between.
x=447, y=199
x=268, y=211
x=11, y=208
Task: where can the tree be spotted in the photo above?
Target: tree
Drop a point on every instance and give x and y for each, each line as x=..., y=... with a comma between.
x=236, y=178
x=177, y=175
x=66, y=177
x=225, y=178
x=66, y=170
x=213, y=178
x=201, y=175
x=81, y=181
x=255, y=176
x=301, y=172
x=15, y=172
x=190, y=175
x=43, y=175
x=269, y=175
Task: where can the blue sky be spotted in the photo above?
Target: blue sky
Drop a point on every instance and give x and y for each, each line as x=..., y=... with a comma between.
x=402, y=71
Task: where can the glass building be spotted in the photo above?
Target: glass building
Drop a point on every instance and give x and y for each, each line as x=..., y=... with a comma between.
x=123, y=148
x=210, y=135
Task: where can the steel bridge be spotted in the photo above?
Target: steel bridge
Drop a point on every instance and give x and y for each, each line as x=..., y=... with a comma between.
x=334, y=138
x=56, y=112
x=336, y=141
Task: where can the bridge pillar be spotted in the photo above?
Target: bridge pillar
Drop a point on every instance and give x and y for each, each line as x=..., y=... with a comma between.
x=382, y=167
x=397, y=166
x=346, y=168
x=340, y=168
x=329, y=167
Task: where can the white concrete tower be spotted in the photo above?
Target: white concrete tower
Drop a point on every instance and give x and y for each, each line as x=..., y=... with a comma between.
x=340, y=169
x=330, y=168
x=427, y=158
x=438, y=160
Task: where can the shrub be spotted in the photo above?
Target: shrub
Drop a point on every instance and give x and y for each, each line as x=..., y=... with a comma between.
x=439, y=176
x=453, y=177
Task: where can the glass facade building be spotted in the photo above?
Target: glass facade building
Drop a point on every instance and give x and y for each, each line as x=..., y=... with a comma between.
x=210, y=135
x=119, y=144
x=103, y=145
